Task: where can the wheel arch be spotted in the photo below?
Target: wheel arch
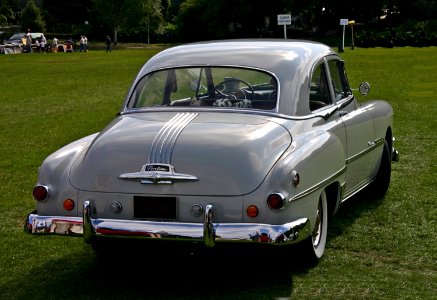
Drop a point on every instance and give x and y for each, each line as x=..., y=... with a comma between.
x=333, y=197
x=389, y=137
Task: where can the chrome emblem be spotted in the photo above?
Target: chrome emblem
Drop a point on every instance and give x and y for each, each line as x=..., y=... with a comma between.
x=156, y=167
x=158, y=174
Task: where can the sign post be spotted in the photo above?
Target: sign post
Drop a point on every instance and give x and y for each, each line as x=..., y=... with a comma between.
x=284, y=20
x=344, y=23
x=351, y=24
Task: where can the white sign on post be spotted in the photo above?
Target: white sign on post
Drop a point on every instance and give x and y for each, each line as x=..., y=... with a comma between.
x=284, y=20
x=344, y=23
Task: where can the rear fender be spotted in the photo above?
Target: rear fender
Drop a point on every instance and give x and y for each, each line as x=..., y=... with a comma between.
x=318, y=160
x=54, y=173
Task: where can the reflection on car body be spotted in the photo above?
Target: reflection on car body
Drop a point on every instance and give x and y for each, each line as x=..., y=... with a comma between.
x=242, y=141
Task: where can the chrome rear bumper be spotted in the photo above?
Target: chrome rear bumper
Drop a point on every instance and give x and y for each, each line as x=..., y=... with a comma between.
x=90, y=226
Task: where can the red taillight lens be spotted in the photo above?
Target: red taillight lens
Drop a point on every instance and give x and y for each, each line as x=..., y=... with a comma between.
x=68, y=204
x=40, y=193
x=275, y=201
x=252, y=211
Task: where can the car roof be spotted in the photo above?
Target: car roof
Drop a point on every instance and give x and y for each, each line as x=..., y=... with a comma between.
x=265, y=54
x=291, y=61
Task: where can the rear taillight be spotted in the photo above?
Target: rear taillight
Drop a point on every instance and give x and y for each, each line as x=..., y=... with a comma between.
x=40, y=193
x=276, y=201
x=252, y=211
x=68, y=204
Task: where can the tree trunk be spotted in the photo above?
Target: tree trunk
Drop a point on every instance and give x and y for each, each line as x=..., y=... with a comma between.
x=116, y=28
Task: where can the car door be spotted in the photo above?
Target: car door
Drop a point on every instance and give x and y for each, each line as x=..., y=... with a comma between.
x=358, y=124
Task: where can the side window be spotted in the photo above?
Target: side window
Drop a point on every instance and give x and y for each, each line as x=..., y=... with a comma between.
x=338, y=81
x=319, y=90
x=149, y=90
x=188, y=82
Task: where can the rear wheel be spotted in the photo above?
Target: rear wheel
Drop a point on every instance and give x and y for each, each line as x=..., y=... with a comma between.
x=313, y=248
x=382, y=180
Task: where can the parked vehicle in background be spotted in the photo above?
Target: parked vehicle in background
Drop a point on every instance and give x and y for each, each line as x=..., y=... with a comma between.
x=254, y=142
x=17, y=43
x=17, y=38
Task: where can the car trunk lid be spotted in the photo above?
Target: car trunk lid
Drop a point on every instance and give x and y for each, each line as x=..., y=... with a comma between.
x=198, y=153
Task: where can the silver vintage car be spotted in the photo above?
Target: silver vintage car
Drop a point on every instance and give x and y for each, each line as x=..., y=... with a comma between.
x=238, y=142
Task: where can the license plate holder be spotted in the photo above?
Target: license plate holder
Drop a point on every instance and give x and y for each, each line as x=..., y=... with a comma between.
x=163, y=208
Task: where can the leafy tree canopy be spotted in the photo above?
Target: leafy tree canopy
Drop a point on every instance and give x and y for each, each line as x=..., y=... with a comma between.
x=184, y=20
x=31, y=18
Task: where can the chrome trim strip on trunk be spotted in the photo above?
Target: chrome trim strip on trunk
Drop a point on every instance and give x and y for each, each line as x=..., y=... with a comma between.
x=158, y=170
x=164, y=141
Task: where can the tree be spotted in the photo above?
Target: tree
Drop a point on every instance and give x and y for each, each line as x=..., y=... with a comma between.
x=148, y=12
x=117, y=13
x=7, y=11
x=419, y=9
x=212, y=19
x=62, y=16
x=31, y=18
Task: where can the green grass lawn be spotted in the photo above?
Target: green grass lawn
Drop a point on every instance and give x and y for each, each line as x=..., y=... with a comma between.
x=376, y=249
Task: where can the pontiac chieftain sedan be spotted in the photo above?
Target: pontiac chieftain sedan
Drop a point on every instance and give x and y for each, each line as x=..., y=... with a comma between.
x=241, y=141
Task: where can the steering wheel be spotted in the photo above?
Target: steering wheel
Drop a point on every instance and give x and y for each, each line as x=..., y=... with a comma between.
x=221, y=89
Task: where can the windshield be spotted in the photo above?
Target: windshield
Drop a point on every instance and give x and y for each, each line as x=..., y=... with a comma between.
x=225, y=87
x=17, y=36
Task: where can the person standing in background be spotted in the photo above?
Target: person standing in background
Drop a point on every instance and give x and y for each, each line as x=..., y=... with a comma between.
x=108, y=43
x=85, y=43
x=43, y=43
x=37, y=46
x=55, y=45
x=29, y=41
x=81, y=44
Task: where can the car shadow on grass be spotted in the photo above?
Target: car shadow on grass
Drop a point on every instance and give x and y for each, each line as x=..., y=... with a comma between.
x=347, y=214
x=144, y=274
x=349, y=211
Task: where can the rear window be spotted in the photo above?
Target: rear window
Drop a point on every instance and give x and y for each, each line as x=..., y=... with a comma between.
x=219, y=87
